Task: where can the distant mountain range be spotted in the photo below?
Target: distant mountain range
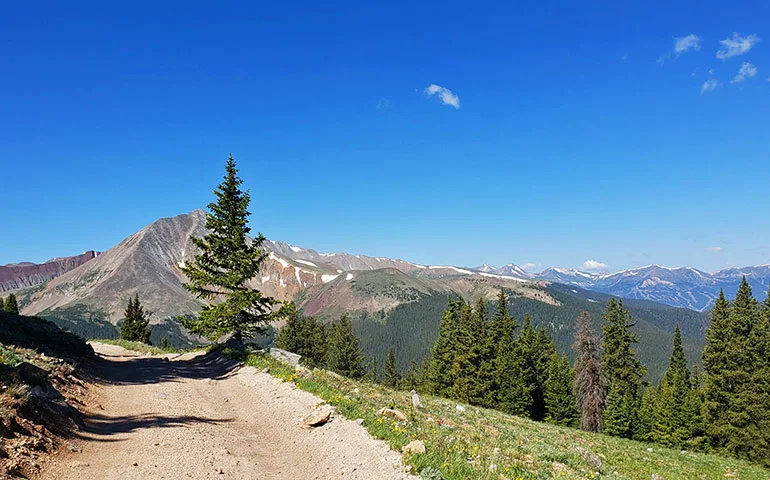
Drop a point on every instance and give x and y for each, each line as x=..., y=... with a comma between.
x=392, y=302
x=684, y=287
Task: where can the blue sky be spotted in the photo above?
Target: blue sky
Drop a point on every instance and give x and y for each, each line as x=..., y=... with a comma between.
x=541, y=134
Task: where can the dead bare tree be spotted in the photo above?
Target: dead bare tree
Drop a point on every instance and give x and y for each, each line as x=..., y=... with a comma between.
x=589, y=385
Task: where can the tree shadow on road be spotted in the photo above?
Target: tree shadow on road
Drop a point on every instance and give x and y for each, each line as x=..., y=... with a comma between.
x=141, y=370
x=103, y=425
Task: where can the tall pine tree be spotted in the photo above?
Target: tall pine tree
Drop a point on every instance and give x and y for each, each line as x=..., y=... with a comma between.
x=514, y=394
x=135, y=326
x=557, y=392
x=344, y=354
x=623, y=371
x=390, y=376
x=227, y=260
x=11, y=305
x=439, y=380
x=471, y=348
x=589, y=384
x=675, y=406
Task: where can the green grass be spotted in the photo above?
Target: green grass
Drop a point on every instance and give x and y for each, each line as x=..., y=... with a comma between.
x=486, y=444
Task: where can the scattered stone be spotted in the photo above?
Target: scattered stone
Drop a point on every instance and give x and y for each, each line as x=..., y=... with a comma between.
x=655, y=476
x=560, y=469
x=392, y=413
x=302, y=372
x=72, y=448
x=415, y=446
x=683, y=452
x=136, y=464
x=593, y=459
x=359, y=421
x=416, y=400
x=460, y=409
x=356, y=391
x=265, y=370
x=492, y=467
x=317, y=418
x=649, y=449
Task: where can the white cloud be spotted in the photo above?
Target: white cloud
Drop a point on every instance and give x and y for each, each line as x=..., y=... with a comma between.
x=594, y=265
x=682, y=45
x=530, y=266
x=709, y=85
x=737, y=45
x=685, y=44
x=446, y=95
x=383, y=104
x=747, y=71
x=714, y=249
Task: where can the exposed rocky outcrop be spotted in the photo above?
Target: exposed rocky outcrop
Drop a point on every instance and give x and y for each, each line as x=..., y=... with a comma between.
x=22, y=275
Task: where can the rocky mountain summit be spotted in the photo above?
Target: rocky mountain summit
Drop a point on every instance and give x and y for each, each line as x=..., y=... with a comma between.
x=27, y=274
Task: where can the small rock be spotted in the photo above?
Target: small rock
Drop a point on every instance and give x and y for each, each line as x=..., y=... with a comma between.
x=220, y=471
x=392, y=413
x=590, y=457
x=136, y=464
x=265, y=370
x=79, y=464
x=302, y=372
x=655, y=476
x=72, y=448
x=649, y=449
x=359, y=421
x=317, y=418
x=492, y=467
x=460, y=409
x=683, y=452
x=415, y=446
x=560, y=468
x=416, y=400
x=356, y=391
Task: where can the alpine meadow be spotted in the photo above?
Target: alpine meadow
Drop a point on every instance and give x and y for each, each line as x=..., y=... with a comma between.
x=464, y=241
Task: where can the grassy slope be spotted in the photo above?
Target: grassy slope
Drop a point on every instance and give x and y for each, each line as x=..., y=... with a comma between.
x=472, y=442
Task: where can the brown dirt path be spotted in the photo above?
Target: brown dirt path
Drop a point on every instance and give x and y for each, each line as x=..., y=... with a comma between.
x=201, y=416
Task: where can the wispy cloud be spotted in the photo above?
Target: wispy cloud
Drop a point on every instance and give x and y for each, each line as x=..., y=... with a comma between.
x=682, y=45
x=444, y=94
x=383, y=104
x=594, y=265
x=529, y=266
x=687, y=43
x=709, y=85
x=747, y=71
x=714, y=249
x=735, y=46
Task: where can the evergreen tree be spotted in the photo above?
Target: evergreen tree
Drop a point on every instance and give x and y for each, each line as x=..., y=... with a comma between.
x=535, y=348
x=305, y=336
x=469, y=386
x=413, y=380
x=623, y=371
x=514, y=394
x=648, y=411
x=493, y=355
x=164, y=343
x=227, y=260
x=11, y=305
x=2, y=304
x=390, y=376
x=557, y=392
x=673, y=415
x=589, y=385
x=736, y=394
x=439, y=378
x=135, y=326
x=344, y=354
x=372, y=371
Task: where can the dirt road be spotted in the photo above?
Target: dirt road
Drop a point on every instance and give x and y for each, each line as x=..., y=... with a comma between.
x=201, y=416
